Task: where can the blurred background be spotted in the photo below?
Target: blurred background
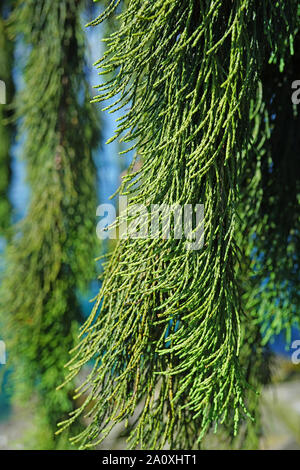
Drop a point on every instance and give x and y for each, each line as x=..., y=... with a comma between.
x=280, y=400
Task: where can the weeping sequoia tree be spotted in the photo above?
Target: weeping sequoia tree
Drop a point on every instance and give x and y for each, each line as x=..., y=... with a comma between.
x=176, y=336
x=175, y=345
x=51, y=254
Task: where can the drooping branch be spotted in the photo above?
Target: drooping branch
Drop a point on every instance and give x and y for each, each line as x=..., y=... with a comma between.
x=51, y=255
x=168, y=327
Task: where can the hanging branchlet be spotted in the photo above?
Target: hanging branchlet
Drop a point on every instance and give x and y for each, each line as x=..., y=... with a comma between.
x=271, y=195
x=168, y=327
x=51, y=255
x=6, y=128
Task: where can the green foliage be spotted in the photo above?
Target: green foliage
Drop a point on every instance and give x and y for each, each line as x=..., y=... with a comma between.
x=271, y=198
x=52, y=252
x=172, y=334
x=6, y=131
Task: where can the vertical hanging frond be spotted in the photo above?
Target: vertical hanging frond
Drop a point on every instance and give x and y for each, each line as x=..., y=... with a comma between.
x=53, y=248
x=6, y=130
x=271, y=198
x=169, y=330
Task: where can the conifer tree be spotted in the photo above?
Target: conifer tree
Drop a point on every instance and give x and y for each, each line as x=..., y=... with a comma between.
x=176, y=330
x=51, y=255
